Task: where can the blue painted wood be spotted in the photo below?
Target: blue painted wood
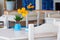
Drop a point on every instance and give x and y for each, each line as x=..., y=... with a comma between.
x=47, y=4
x=26, y=2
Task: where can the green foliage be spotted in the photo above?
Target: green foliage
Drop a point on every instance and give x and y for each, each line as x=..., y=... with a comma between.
x=9, y=0
x=18, y=18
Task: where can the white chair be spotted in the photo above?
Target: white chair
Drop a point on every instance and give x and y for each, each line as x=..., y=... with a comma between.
x=52, y=14
x=49, y=26
x=43, y=29
x=4, y=19
x=31, y=32
x=57, y=21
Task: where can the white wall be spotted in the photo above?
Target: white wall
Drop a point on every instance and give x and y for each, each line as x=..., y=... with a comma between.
x=2, y=3
x=56, y=0
x=38, y=4
x=1, y=7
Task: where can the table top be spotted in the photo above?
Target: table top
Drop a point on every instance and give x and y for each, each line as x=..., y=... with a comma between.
x=22, y=34
x=11, y=34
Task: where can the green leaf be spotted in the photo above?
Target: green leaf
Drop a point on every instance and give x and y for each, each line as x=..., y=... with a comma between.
x=17, y=17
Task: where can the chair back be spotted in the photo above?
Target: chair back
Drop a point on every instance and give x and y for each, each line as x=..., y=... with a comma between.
x=31, y=32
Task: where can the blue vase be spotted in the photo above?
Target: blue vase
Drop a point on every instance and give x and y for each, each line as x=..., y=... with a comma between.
x=17, y=27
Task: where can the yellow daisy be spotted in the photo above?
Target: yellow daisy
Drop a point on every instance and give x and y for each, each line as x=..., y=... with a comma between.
x=25, y=13
x=19, y=11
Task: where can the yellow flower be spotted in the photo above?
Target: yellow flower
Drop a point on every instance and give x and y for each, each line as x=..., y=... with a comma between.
x=23, y=11
x=30, y=6
x=19, y=11
x=26, y=12
x=23, y=14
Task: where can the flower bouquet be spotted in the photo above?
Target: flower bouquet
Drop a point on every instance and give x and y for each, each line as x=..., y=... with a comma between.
x=21, y=14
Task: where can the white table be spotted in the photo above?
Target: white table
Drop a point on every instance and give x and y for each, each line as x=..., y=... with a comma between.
x=10, y=34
